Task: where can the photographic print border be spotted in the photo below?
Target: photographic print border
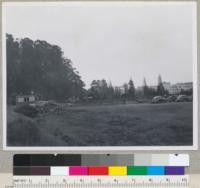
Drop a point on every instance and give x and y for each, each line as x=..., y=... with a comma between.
x=103, y=148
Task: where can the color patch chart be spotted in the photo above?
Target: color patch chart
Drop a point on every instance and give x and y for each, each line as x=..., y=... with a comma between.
x=107, y=165
x=101, y=171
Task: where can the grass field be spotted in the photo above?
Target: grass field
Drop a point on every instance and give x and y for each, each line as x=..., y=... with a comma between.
x=168, y=124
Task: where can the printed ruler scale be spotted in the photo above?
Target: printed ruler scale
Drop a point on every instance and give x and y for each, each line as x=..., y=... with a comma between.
x=101, y=182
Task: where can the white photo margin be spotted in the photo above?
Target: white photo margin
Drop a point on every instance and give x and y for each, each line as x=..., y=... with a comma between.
x=102, y=148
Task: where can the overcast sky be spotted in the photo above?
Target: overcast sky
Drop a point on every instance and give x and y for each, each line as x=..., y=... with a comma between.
x=114, y=41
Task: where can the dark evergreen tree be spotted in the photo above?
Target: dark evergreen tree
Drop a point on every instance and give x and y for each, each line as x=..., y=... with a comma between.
x=160, y=87
x=117, y=93
x=111, y=91
x=131, y=89
x=126, y=91
x=13, y=68
x=145, y=88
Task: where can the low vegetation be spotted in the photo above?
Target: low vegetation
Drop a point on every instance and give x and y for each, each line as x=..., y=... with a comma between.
x=21, y=130
x=167, y=124
x=27, y=110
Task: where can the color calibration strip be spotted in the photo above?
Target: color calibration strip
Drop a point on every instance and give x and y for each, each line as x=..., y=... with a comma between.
x=99, y=170
x=101, y=160
x=102, y=164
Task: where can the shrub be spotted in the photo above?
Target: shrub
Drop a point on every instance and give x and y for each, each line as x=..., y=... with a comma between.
x=27, y=110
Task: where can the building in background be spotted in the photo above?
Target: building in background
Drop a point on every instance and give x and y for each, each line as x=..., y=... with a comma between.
x=185, y=86
x=174, y=89
x=26, y=99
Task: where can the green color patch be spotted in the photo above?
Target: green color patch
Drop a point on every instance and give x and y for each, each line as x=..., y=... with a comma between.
x=137, y=170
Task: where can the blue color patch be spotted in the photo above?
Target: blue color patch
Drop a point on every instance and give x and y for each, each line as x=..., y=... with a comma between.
x=156, y=170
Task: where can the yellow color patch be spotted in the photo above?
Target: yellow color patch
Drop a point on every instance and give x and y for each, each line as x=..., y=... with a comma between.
x=117, y=170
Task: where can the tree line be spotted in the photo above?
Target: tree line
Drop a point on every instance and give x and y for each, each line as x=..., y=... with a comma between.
x=40, y=67
x=100, y=89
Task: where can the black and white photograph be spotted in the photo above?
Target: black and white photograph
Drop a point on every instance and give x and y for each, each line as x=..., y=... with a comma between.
x=100, y=74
